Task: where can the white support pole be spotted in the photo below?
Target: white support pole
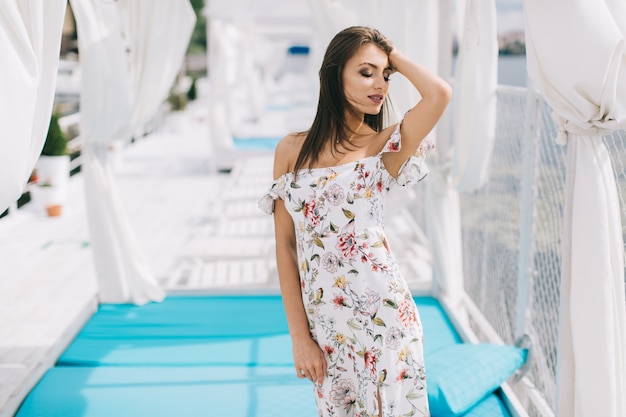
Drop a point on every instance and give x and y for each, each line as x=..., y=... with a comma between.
x=525, y=262
x=445, y=67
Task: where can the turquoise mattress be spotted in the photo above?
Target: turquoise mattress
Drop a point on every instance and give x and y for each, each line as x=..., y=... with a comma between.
x=191, y=356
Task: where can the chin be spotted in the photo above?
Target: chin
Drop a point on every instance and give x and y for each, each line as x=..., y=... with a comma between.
x=372, y=110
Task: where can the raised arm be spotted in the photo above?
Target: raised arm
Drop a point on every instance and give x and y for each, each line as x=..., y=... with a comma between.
x=307, y=354
x=435, y=93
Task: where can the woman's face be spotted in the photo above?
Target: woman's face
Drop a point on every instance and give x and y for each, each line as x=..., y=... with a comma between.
x=366, y=79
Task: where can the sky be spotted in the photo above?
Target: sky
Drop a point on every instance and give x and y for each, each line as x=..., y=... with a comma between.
x=510, y=16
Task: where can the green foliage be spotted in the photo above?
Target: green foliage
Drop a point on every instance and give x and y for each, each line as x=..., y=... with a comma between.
x=192, y=93
x=56, y=141
x=178, y=101
x=198, y=40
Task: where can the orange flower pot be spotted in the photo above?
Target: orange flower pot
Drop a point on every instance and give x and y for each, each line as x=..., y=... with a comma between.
x=54, y=210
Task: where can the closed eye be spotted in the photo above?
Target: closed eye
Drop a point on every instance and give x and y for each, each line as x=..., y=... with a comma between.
x=369, y=75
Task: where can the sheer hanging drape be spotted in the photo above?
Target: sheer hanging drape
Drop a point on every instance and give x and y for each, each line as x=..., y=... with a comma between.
x=461, y=161
x=121, y=90
x=30, y=40
x=575, y=54
x=157, y=35
x=475, y=82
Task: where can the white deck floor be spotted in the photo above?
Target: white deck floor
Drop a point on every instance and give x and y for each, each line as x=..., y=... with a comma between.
x=201, y=231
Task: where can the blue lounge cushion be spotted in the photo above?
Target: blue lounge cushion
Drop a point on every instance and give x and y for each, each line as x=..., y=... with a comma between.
x=491, y=406
x=461, y=375
x=186, y=355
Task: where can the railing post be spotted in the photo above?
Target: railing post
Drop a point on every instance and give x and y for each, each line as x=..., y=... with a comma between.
x=528, y=196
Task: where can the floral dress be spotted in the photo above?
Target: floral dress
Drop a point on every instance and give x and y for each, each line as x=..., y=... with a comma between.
x=359, y=307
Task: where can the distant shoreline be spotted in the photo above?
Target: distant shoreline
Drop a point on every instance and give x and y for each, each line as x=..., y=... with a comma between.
x=513, y=43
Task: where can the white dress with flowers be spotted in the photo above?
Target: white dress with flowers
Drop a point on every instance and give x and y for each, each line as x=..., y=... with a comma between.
x=359, y=307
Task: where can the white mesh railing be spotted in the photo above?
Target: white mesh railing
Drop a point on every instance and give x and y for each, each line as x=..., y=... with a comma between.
x=490, y=219
x=511, y=240
x=512, y=237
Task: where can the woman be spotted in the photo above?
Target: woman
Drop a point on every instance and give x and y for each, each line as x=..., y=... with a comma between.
x=354, y=325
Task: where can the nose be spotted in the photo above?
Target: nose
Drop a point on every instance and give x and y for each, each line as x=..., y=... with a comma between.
x=380, y=83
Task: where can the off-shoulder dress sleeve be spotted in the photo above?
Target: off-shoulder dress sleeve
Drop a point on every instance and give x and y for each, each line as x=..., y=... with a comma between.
x=414, y=169
x=276, y=191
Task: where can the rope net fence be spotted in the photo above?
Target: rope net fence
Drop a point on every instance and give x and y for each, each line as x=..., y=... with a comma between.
x=499, y=224
x=511, y=238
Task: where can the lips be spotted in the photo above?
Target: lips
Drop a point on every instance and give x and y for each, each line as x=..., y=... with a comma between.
x=377, y=98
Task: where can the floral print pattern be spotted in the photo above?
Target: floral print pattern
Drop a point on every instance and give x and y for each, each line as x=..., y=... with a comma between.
x=360, y=310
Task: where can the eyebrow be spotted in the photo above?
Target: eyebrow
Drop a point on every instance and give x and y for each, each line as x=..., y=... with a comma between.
x=374, y=65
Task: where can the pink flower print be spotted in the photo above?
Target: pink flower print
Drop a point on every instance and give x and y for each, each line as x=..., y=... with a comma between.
x=402, y=375
x=369, y=306
x=330, y=262
x=372, y=296
x=371, y=358
x=393, y=337
x=343, y=394
x=407, y=314
x=347, y=246
x=379, y=186
x=329, y=349
x=311, y=212
x=335, y=195
x=393, y=145
x=339, y=301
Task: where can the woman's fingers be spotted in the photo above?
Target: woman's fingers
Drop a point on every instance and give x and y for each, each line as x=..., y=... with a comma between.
x=320, y=371
x=314, y=373
x=309, y=361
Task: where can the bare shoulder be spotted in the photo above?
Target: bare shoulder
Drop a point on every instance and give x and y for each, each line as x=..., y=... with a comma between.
x=286, y=153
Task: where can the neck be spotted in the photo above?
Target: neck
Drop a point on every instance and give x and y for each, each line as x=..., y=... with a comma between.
x=354, y=123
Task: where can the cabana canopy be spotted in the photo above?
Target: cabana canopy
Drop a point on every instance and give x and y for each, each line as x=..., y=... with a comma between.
x=118, y=94
x=30, y=39
x=580, y=68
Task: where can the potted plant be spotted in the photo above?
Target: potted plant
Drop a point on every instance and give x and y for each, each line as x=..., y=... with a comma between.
x=178, y=103
x=192, y=93
x=53, y=169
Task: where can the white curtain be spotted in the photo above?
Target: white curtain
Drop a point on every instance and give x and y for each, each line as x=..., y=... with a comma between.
x=462, y=158
x=119, y=90
x=30, y=40
x=575, y=56
x=157, y=36
x=475, y=84
x=221, y=59
x=330, y=17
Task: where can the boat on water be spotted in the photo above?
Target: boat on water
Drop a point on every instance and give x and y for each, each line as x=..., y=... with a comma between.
x=97, y=322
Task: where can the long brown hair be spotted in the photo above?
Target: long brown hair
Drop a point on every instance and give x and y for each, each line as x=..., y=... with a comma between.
x=330, y=123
